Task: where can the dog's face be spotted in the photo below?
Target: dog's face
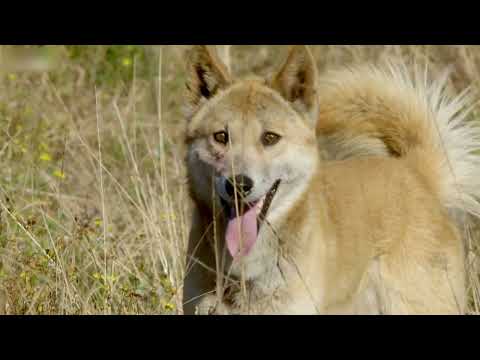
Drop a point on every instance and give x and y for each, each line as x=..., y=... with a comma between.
x=252, y=142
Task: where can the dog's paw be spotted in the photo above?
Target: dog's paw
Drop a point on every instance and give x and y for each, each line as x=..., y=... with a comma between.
x=211, y=306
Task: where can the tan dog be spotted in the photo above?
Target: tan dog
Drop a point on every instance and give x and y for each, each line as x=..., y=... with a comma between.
x=375, y=230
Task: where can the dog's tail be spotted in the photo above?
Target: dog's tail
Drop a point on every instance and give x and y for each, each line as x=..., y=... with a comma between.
x=388, y=112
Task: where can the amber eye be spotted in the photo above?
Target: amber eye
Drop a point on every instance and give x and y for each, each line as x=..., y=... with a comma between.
x=221, y=137
x=269, y=139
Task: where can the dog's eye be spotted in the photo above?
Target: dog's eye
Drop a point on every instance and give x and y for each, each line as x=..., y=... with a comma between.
x=269, y=139
x=221, y=137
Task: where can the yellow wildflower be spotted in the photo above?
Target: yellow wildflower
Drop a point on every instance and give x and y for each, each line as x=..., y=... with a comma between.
x=59, y=174
x=127, y=62
x=169, y=307
x=45, y=156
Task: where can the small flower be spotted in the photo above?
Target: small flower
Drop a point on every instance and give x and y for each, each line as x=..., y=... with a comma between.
x=127, y=62
x=45, y=156
x=12, y=77
x=169, y=307
x=59, y=174
x=97, y=276
x=98, y=222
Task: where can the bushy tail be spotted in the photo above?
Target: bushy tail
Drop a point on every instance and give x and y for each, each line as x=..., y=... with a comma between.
x=388, y=112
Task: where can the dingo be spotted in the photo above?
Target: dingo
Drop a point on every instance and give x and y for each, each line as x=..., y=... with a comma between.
x=375, y=229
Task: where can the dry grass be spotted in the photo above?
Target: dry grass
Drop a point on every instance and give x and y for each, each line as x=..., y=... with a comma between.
x=93, y=204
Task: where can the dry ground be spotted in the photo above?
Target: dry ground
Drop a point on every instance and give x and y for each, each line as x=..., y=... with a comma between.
x=93, y=205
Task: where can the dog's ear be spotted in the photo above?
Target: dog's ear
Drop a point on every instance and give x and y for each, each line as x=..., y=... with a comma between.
x=206, y=75
x=297, y=80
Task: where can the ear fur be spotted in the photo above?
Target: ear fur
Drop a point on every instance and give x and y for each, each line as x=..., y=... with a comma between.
x=297, y=80
x=206, y=75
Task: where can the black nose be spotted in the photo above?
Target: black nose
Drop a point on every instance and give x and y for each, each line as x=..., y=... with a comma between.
x=243, y=184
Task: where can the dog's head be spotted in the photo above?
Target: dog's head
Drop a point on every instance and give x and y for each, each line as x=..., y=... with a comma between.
x=252, y=141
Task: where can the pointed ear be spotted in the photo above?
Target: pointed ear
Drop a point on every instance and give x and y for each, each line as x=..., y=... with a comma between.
x=206, y=75
x=297, y=80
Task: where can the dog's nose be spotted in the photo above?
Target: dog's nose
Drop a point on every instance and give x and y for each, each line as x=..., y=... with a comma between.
x=243, y=184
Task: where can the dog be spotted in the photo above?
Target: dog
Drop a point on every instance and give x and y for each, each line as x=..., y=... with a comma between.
x=374, y=227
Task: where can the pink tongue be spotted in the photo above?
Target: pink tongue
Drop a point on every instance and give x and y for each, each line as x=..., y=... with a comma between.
x=242, y=233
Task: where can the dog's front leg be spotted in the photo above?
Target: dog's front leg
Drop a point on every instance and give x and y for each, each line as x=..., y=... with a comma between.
x=200, y=276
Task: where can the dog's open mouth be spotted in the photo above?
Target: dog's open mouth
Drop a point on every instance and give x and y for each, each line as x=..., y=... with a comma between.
x=245, y=221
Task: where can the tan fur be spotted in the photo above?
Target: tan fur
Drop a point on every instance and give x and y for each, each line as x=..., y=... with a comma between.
x=371, y=231
x=224, y=55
